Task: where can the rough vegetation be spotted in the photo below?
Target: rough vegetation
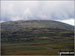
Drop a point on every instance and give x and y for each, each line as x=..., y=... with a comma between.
x=36, y=37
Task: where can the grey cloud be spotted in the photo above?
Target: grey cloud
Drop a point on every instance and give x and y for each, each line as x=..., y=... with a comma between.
x=37, y=10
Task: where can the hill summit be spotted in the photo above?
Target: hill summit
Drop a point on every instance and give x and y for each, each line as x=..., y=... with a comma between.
x=20, y=25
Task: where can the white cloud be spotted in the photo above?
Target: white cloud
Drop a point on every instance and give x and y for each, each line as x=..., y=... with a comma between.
x=70, y=21
x=40, y=10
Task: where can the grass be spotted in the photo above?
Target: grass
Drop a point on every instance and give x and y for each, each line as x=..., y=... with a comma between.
x=37, y=47
x=22, y=51
x=51, y=48
x=42, y=45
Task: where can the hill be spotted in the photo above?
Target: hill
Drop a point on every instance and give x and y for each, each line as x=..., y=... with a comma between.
x=33, y=36
x=16, y=25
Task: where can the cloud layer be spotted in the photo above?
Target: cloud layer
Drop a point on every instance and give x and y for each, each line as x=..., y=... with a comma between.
x=36, y=10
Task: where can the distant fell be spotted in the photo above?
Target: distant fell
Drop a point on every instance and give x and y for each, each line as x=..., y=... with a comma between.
x=20, y=25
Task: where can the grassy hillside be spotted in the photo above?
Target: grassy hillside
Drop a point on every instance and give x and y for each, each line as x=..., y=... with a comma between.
x=36, y=37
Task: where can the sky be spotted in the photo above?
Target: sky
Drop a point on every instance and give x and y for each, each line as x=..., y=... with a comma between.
x=62, y=11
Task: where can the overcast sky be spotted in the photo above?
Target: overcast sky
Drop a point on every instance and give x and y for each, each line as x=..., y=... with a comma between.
x=38, y=10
